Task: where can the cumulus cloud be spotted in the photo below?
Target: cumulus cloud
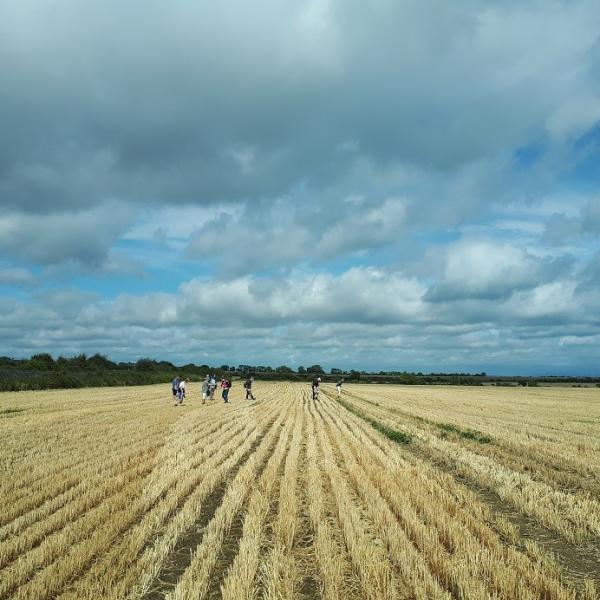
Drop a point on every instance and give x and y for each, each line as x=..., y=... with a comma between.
x=358, y=295
x=17, y=277
x=371, y=317
x=484, y=269
x=250, y=241
x=84, y=237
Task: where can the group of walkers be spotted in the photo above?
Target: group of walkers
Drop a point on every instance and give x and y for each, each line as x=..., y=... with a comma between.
x=316, y=385
x=208, y=388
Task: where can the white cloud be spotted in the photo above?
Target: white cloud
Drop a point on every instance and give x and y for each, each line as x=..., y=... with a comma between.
x=551, y=300
x=485, y=269
x=358, y=295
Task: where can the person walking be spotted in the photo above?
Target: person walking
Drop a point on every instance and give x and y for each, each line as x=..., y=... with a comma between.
x=181, y=392
x=338, y=386
x=226, y=386
x=204, y=389
x=248, y=387
x=175, y=386
x=212, y=386
x=315, y=388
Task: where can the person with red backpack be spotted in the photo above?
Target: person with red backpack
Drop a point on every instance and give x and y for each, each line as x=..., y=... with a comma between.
x=226, y=386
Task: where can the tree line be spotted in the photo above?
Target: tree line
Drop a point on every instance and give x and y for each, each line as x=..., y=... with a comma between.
x=43, y=371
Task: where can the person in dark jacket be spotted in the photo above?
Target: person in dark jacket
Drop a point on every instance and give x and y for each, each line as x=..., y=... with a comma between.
x=175, y=386
x=248, y=387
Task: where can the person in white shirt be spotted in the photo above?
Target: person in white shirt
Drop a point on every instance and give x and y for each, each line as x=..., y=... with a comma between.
x=315, y=388
x=212, y=386
x=181, y=392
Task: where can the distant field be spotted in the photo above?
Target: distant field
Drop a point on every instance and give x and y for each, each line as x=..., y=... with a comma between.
x=390, y=492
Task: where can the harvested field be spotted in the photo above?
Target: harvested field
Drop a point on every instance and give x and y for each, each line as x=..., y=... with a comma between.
x=387, y=492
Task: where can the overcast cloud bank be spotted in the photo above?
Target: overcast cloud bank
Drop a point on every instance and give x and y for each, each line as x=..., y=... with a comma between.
x=405, y=185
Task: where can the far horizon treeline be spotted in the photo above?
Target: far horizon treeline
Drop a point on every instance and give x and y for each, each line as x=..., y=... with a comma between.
x=42, y=371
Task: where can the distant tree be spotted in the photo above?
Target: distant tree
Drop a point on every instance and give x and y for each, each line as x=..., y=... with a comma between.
x=77, y=362
x=336, y=371
x=355, y=375
x=224, y=367
x=192, y=368
x=165, y=365
x=42, y=362
x=99, y=362
x=283, y=369
x=316, y=369
x=301, y=370
x=145, y=364
x=6, y=361
x=407, y=378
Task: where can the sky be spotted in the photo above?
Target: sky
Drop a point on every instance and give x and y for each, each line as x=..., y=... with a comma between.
x=391, y=185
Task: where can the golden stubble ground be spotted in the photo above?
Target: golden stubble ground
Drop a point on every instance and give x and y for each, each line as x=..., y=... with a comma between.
x=388, y=492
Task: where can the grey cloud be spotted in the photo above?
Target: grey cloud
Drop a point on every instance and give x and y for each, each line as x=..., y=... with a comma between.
x=83, y=237
x=67, y=302
x=561, y=229
x=17, y=277
x=366, y=226
x=198, y=105
x=283, y=235
x=252, y=241
x=589, y=277
x=591, y=216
